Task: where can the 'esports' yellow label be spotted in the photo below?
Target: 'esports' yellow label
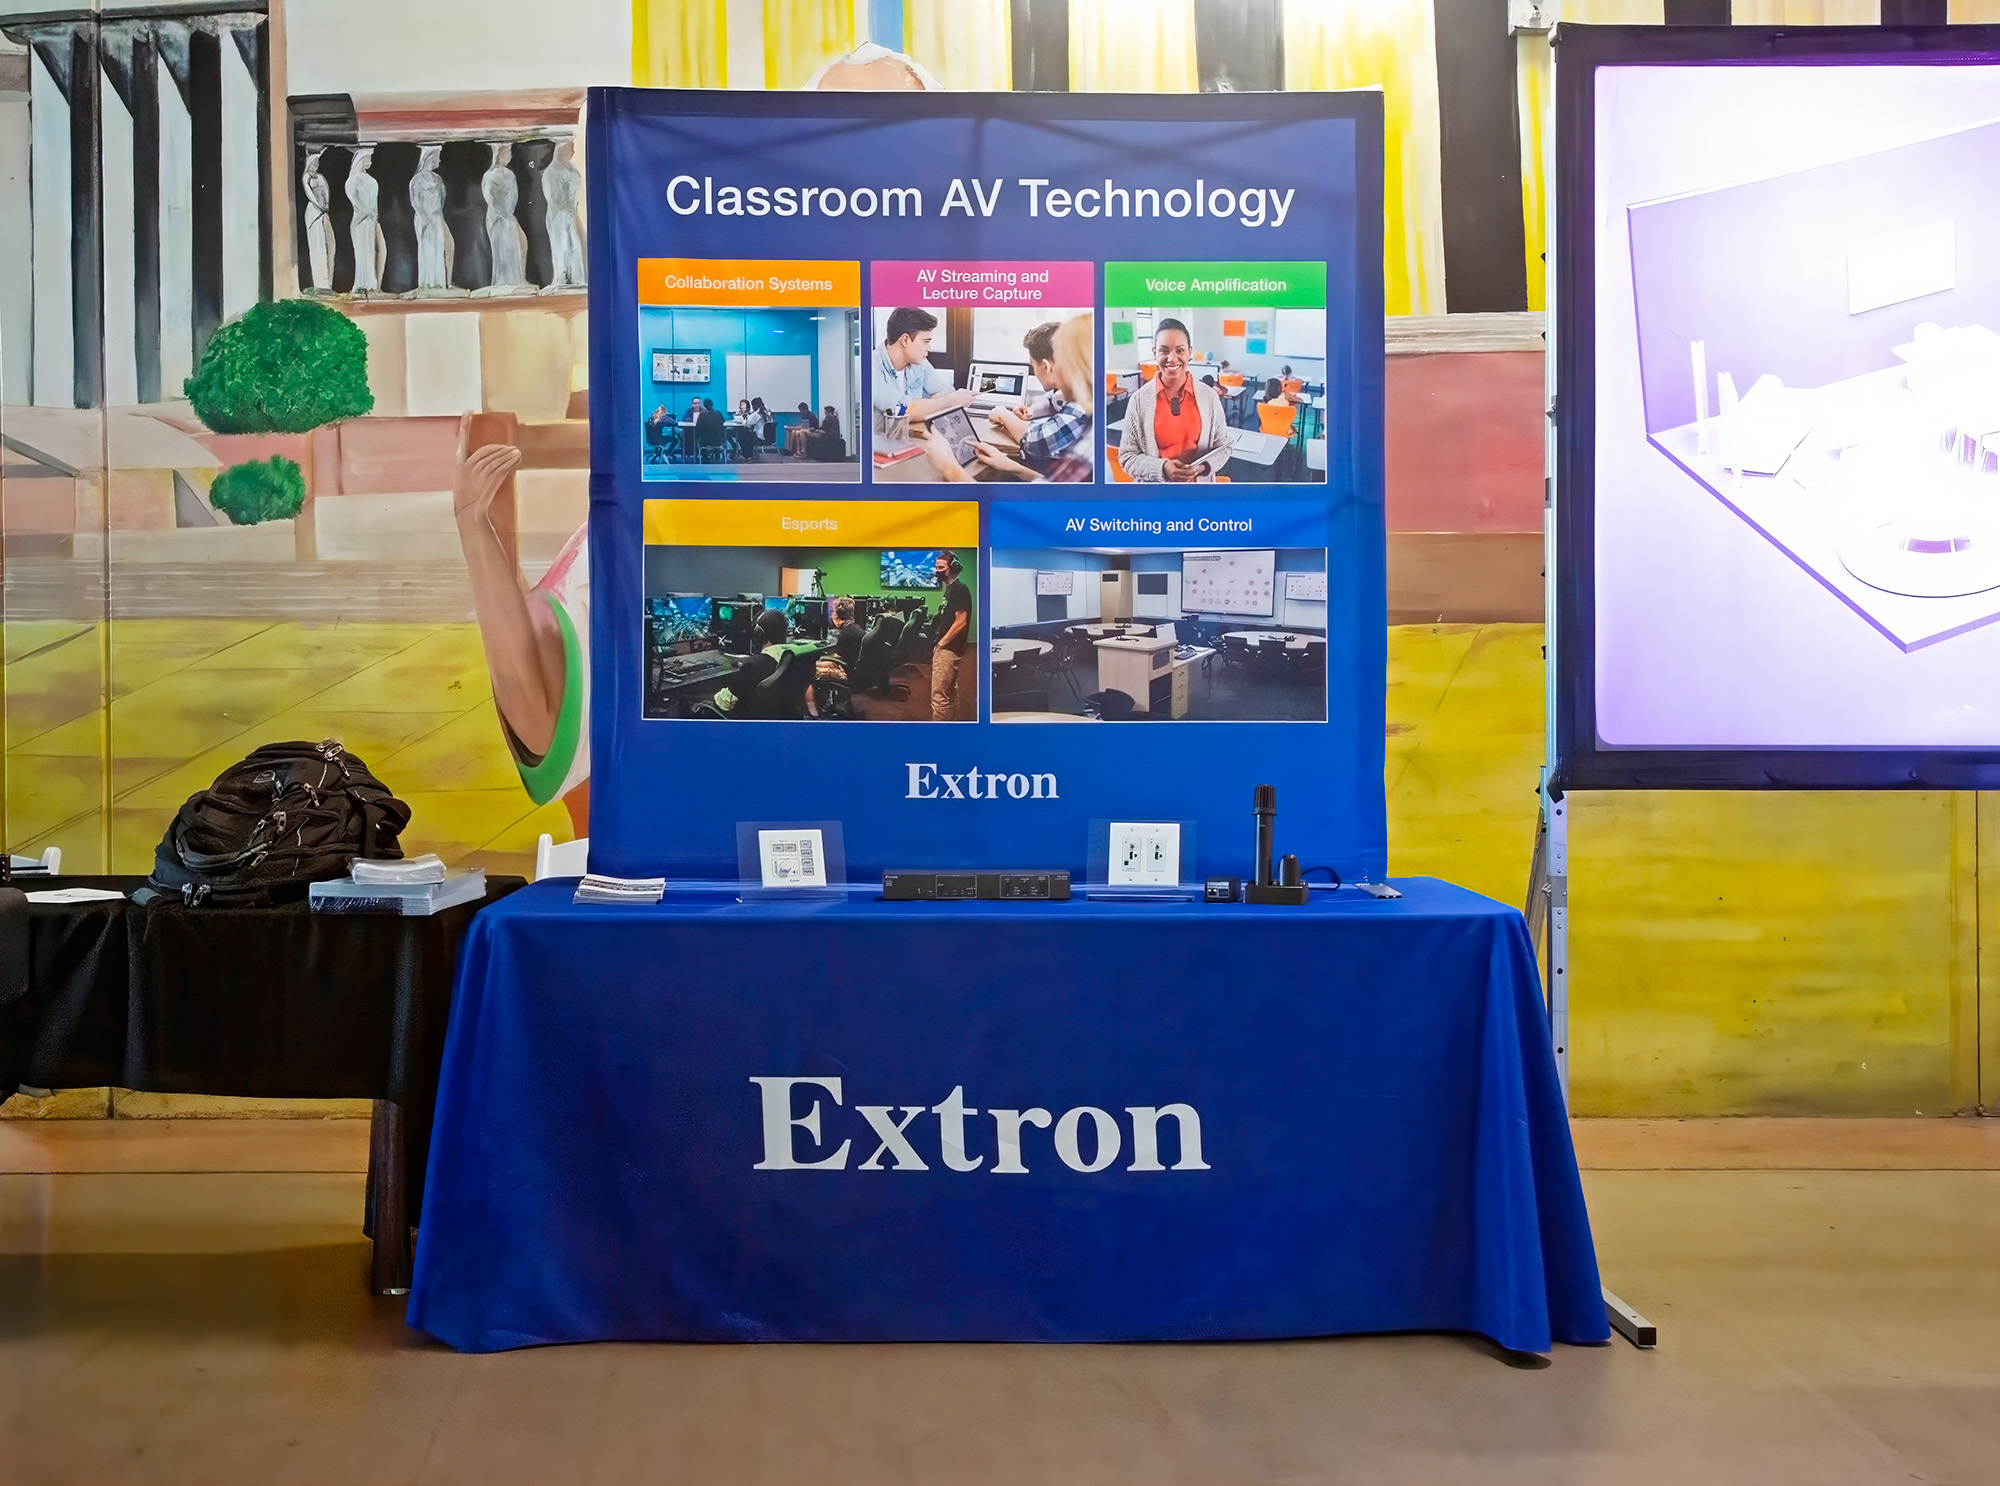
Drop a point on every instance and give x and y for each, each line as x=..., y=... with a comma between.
x=811, y=523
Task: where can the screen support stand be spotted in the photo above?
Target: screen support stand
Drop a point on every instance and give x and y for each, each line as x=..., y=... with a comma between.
x=1629, y=1324
x=1547, y=912
x=1547, y=907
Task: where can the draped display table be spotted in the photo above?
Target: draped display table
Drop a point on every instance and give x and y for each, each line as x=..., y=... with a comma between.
x=1084, y=1121
x=277, y=1002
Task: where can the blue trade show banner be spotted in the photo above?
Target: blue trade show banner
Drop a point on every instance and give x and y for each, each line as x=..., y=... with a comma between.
x=968, y=468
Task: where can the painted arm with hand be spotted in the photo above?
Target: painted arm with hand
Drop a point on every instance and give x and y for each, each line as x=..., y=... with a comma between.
x=524, y=647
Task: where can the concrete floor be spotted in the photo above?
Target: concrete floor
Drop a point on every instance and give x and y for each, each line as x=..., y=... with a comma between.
x=184, y=1301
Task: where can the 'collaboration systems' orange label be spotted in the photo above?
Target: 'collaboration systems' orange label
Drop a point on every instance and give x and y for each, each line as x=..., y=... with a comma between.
x=751, y=283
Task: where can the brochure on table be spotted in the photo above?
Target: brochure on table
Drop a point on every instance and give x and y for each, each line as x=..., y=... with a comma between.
x=760, y=476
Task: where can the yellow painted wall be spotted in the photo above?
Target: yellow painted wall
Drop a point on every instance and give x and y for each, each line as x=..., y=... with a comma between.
x=679, y=43
x=1772, y=953
x=1368, y=44
x=1975, y=1050
x=801, y=36
x=965, y=43
x=1132, y=46
x=1534, y=108
x=1533, y=100
x=1806, y=12
x=1731, y=953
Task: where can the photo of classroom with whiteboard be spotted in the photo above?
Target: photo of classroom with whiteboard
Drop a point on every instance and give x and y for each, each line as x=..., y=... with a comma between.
x=1151, y=634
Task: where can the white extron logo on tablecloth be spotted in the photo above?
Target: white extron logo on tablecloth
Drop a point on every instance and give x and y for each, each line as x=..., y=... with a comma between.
x=898, y=1130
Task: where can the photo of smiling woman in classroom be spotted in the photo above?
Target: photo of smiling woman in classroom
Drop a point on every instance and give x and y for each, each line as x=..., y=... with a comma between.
x=1206, y=389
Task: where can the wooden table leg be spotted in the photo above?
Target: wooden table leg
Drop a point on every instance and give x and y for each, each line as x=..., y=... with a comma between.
x=390, y=1274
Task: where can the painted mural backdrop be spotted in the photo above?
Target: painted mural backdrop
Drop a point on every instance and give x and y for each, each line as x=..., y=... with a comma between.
x=259, y=261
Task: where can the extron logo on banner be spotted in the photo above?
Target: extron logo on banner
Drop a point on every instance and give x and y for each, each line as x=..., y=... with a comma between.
x=782, y=1150
x=929, y=782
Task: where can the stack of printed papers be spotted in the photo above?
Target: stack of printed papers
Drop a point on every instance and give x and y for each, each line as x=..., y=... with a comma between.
x=597, y=888
x=410, y=899
x=400, y=873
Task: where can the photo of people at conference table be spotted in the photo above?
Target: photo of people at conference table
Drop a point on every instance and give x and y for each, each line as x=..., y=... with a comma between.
x=994, y=394
x=749, y=370
x=1215, y=394
x=811, y=634
x=1148, y=634
x=762, y=394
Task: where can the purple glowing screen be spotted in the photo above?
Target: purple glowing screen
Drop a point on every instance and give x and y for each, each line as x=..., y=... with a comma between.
x=1733, y=204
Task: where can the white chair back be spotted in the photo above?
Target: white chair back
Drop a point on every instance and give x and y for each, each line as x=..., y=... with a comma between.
x=568, y=859
x=1167, y=632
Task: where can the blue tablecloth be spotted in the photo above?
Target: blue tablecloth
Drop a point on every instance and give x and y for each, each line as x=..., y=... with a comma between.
x=1342, y=1118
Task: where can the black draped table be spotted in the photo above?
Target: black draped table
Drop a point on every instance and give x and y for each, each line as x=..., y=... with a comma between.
x=277, y=1002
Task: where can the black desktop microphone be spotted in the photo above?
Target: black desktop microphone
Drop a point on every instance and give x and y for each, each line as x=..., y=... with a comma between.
x=1264, y=889
x=1264, y=805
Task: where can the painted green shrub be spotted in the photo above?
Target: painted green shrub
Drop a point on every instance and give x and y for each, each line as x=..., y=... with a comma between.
x=260, y=490
x=283, y=367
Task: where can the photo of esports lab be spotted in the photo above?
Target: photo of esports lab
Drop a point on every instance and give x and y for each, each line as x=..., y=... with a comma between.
x=1004, y=389
x=749, y=394
x=1155, y=635
x=1215, y=394
x=811, y=634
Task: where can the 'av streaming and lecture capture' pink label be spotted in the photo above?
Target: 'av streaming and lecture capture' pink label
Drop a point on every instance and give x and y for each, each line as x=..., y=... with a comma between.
x=952, y=285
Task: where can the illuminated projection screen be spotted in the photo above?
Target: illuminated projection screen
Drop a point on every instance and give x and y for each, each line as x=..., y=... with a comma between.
x=1778, y=391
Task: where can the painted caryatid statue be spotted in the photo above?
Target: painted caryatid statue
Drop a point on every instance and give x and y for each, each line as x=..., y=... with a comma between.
x=434, y=246
x=510, y=244
x=562, y=189
x=319, y=225
x=364, y=194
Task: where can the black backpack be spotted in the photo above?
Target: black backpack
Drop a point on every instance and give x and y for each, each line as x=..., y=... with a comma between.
x=288, y=815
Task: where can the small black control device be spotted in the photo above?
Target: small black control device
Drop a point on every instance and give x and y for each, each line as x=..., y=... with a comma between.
x=1221, y=890
x=960, y=887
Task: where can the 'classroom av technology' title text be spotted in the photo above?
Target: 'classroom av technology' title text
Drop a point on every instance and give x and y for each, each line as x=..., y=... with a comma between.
x=1250, y=206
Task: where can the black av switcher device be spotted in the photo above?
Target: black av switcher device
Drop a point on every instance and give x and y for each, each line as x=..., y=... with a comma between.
x=959, y=887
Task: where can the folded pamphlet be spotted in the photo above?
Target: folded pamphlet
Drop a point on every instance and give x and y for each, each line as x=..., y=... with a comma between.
x=74, y=895
x=428, y=868
x=598, y=888
x=410, y=899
